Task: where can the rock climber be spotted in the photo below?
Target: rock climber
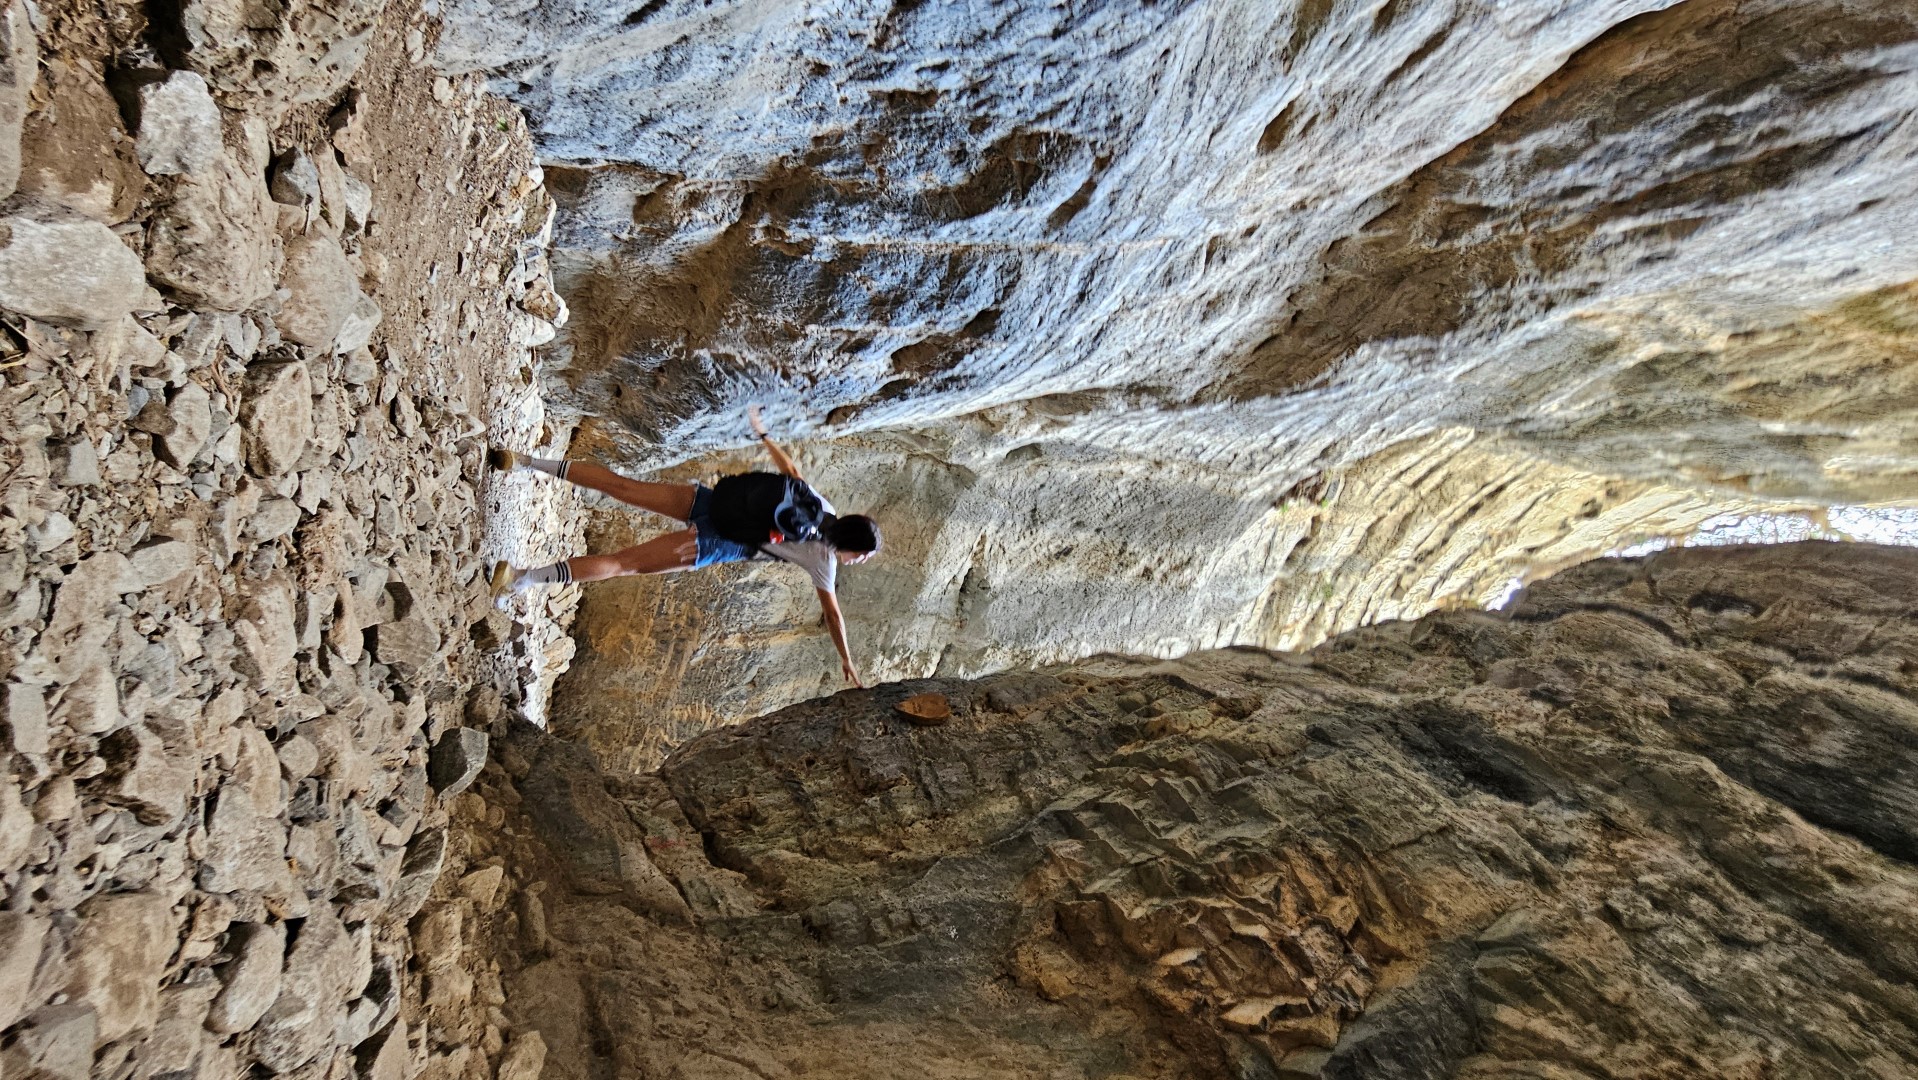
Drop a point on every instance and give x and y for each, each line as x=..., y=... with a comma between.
x=742, y=516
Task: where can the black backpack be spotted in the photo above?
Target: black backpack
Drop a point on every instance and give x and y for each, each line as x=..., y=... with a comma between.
x=761, y=507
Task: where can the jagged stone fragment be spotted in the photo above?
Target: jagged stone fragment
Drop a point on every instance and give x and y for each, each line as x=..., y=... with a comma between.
x=250, y=982
x=180, y=127
x=277, y=416
x=456, y=760
x=62, y=267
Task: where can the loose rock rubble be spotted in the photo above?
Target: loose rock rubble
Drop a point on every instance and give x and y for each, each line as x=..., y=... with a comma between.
x=255, y=321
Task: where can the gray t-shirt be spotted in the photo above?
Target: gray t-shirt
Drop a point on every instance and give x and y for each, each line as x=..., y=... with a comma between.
x=820, y=560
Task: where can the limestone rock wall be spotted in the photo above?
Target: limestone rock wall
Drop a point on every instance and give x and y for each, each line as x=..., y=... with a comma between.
x=1416, y=296
x=1656, y=822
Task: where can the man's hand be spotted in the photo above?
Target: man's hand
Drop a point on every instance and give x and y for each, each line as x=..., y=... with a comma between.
x=852, y=676
x=752, y=415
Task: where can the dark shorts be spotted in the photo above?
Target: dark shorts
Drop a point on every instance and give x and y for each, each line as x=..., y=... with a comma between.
x=713, y=548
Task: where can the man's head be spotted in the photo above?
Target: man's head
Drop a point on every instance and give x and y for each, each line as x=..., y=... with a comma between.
x=855, y=537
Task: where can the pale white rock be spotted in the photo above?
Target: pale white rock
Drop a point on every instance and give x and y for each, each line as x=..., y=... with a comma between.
x=346, y=634
x=266, y=633
x=55, y=529
x=281, y=55
x=303, y=1019
x=225, y=711
x=314, y=851
x=409, y=644
x=441, y=936
x=295, y=182
x=530, y=332
x=524, y=1059
x=162, y=559
x=251, y=980
x=256, y=771
x=356, y=330
x=16, y=826
x=57, y=1041
x=26, y=719
x=22, y=937
x=213, y=243
x=90, y=704
x=342, y=760
x=84, y=609
x=146, y=777
x=321, y=292
x=227, y=448
x=277, y=415
x=425, y=857
x=275, y=518
x=179, y=126
x=299, y=757
x=19, y=68
x=118, y=958
x=65, y=268
x=332, y=181
x=58, y=800
x=482, y=886
x=245, y=853
x=191, y=410
x=173, y=1048
x=390, y=1061
x=137, y=346
x=356, y=198
x=456, y=760
x=78, y=464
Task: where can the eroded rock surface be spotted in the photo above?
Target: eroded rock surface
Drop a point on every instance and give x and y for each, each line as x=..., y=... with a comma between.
x=1139, y=323
x=1657, y=822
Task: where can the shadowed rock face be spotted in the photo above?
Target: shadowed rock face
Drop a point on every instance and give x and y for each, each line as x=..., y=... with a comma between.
x=1657, y=823
x=1141, y=324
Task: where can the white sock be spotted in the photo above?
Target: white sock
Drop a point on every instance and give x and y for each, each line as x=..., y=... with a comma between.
x=556, y=574
x=549, y=466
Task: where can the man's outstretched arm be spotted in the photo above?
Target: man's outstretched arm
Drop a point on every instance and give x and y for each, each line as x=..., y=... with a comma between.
x=837, y=625
x=779, y=456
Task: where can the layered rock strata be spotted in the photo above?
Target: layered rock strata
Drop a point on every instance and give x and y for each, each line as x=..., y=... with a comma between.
x=241, y=379
x=1656, y=823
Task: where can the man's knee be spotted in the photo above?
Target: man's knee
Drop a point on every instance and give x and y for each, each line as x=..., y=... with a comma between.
x=665, y=553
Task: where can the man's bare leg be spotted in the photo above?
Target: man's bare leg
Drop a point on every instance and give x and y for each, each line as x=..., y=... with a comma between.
x=668, y=500
x=660, y=555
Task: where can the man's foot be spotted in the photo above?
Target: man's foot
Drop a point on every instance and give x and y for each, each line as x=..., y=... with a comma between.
x=503, y=460
x=505, y=578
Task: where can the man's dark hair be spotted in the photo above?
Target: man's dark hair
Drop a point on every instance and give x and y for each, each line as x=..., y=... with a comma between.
x=856, y=533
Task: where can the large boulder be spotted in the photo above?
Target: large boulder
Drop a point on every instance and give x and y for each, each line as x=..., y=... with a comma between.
x=324, y=307
x=180, y=127
x=22, y=938
x=118, y=958
x=212, y=241
x=60, y=266
x=250, y=982
x=318, y=980
x=277, y=416
x=278, y=55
